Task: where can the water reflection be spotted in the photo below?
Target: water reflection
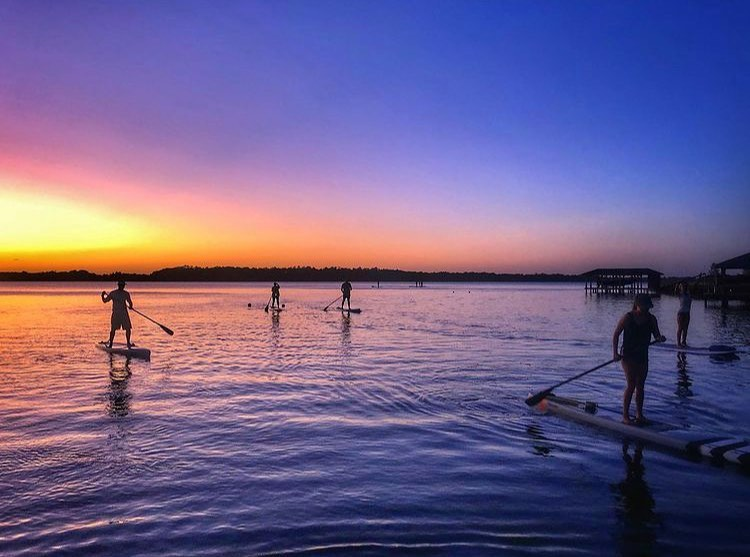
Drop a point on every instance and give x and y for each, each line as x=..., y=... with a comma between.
x=346, y=332
x=541, y=446
x=118, y=399
x=275, y=330
x=684, y=382
x=730, y=325
x=635, y=513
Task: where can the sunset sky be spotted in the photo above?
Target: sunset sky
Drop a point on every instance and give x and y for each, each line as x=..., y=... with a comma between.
x=508, y=136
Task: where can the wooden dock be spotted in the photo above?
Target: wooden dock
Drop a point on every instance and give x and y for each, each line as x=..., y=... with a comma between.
x=622, y=281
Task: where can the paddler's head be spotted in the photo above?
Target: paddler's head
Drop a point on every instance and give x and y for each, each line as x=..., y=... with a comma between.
x=643, y=301
x=121, y=284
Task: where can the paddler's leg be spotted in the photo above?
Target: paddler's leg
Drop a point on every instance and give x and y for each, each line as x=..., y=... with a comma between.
x=111, y=337
x=127, y=336
x=642, y=372
x=683, y=321
x=627, y=395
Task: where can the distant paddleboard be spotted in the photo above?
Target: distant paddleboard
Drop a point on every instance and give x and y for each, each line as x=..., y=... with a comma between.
x=123, y=350
x=353, y=310
x=714, y=350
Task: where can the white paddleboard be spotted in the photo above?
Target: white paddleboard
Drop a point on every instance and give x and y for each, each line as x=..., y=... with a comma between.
x=123, y=350
x=716, y=350
x=664, y=435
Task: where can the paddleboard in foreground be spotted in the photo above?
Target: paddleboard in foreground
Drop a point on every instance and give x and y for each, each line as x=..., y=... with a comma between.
x=714, y=350
x=123, y=350
x=662, y=435
x=352, y=310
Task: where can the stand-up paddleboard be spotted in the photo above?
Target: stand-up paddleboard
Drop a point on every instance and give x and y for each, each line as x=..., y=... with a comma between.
x=276, y=309
x=353, y=310
x=714, y=350
x=123, y=350
x=659, y=434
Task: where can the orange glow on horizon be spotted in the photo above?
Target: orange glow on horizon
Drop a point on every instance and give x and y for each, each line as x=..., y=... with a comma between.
x=59, y=219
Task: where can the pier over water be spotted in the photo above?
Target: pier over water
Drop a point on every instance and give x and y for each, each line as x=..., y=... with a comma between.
x=622, y=281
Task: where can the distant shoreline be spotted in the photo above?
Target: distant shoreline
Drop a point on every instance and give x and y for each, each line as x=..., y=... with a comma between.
x=288, y=274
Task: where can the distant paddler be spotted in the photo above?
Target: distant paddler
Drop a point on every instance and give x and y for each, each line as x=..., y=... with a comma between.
x=120, y=299
x=275, y=291
x=683, y=313
x=637, y=326
x=346, y=291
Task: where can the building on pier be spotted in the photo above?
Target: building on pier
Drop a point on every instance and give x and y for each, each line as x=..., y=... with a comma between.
x=728, y=280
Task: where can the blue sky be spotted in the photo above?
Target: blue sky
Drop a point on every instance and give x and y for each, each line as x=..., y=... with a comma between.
x=506, y=136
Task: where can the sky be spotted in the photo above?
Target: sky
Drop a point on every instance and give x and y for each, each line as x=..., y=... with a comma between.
x=507, y=136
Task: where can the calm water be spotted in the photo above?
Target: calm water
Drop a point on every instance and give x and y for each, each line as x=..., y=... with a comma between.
x=401, y=430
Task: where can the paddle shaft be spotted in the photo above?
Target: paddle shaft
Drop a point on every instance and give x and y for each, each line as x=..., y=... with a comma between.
x=268, y=304
x=533, y=400
x=167, y=330
x=333, y=302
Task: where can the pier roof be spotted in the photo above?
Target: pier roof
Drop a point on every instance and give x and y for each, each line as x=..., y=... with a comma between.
x=739, y=262
x=622, y=271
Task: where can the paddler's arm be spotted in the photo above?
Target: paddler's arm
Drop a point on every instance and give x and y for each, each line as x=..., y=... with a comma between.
x=658, y=337
x=130, y=302
x=105, y=297
x=616, y=339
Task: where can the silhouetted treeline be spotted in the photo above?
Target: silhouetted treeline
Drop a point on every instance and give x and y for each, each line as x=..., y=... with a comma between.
x=288, y=274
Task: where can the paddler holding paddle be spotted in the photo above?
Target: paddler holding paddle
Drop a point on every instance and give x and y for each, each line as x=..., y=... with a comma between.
x=346, y=291
x=120, y=299
x=638, y=325
x=275, y=290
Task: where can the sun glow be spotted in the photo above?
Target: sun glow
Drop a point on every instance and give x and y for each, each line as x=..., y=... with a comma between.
x=32, y=224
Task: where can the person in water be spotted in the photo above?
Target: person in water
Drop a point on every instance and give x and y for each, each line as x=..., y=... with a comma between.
x=683, y=313
x=346, y=290
x=637, y=327
x=120, y=299
x=275, y=289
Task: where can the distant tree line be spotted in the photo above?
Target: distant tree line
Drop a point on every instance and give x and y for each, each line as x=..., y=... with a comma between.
x=288, y=274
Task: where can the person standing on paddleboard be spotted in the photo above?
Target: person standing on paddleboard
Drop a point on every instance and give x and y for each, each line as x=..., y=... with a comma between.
x=346, y=291
x=683, y=314
x=120, y=299
x=275, y=290
x=637, y=327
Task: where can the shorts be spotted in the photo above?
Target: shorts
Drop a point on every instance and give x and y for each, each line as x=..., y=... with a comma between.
x=121, y=321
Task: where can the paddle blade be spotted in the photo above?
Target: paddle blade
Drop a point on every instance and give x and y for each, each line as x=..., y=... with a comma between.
x=533, y=400
x=167, y=330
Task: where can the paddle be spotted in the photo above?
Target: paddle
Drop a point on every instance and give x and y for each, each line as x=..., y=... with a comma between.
x=333, y=302
x=268, y=304
x=533, y=400
x=167, y=330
